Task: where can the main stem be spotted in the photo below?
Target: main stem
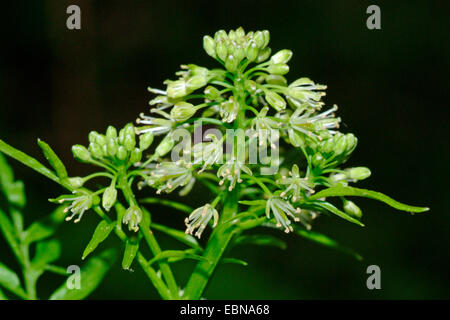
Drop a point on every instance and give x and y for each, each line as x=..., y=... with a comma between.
x=221, y=235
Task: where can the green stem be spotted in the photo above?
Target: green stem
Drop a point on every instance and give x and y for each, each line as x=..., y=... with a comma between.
x=150, y=238
x=217, y=245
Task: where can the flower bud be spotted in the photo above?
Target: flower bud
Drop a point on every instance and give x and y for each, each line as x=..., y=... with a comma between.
x=81, y=152
x=240, y=32
x=317, y=160
x=239, y=52
x=76, y=182
x=222, y=50
x=231, y=63
x=276, y=79
x=135, y=155
x=338, y=178
x=266, y=35
x=352, y=209
x=165, y=146
x=121, y=136
x=259, y=39
x=252, y=51
x=340, y=146
x=196, y=82
x=210, y=46
x=182, y=111
x=145, y=141
x=132, y=217
x=264, y=55
x=275, y=100
x=250, y=86
x=278, y=69
x=358, y=173
x=282, y=56
x=93, y=136
x=352, y=141
x=96, y=150
x=211, y=93
x=122, y=153
x=100, y=140
x=176, y=89
x=109, y=197
x=111, y=132
x=111, y=147
x=129, y=142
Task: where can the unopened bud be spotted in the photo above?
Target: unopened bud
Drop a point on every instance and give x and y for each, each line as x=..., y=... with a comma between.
x=135, y=155
x=76, y=182
x=81, y=152
x=282, y=56
x=278, y=69
x=211, y=93
x=358, y=173
x=165, y=146
x=352, y=209
x=145, y=140
x=109, y=197
x=275, y=100
x=182, y=111
x=210, y=46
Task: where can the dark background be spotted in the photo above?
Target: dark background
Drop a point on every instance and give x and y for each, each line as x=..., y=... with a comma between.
x=390, y=84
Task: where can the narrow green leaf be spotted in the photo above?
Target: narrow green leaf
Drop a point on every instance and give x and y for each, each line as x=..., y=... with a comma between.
x=235, y=261
x=341, y=191
x=53, y=159
x=46, y=253
x=32, y=163
x=168, y=203
x=13, y=190
x=178, y=235
x=131, y=249
x=261, y=240
x=10, y=234
x=329, y=207
x=10, y=281
x=45, y=227
x=178, y=254
x=326, y=241
x=253, y=202
x=2, y=296
x=101, y=232
x=92, y=274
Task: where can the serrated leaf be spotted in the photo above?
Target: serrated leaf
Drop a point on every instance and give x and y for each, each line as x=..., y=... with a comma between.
x=234, y=261
x=261, y=240
x=178, y=254
x=101, y=232
x=341, y=191
x=178, y=235
x=10, y=281
x=131, y=249
x=329, y=207
x=326, y=241
x=46, y=253
x=92, y=274
x=53, y=159
x=45, y=227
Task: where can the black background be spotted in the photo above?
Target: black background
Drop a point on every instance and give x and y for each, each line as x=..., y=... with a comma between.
x=390, y=84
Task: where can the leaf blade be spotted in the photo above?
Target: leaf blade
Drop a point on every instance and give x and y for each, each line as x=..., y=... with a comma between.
x=101, y=232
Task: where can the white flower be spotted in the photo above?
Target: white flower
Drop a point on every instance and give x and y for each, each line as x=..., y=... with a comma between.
x=199, y=219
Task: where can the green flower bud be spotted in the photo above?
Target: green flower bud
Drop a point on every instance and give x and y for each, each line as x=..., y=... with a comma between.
x=165, y=146
x=210, y=46
x=109, y=197
x=258, y=37
x=317, y=160
x=129, y=142
x=122, y=153
x=250, y=86
x=275, y=100
x=252, y=51
x=231, y=63
x=80, y=152
x=100, y=140
x=93, y=136
x=132, y=217
x=240, y=32
x=341, y=145
x=111, y=132
x=352, y=141
x=145, y=141
x=358, y=173
x=352, y=209
x=239, y=52
x=263, y=55
x=211, y=93
x=278, y=68
x=338, y=178
x=222, y=50
x=121, y=136
x=266, y=35
x=177, y=89
x=111, y=147
x=76, y=182
x=135, y=155
x=96, y=150
x=182, y=111
x=282, y=56
x=196, y=82
x=276, y=80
